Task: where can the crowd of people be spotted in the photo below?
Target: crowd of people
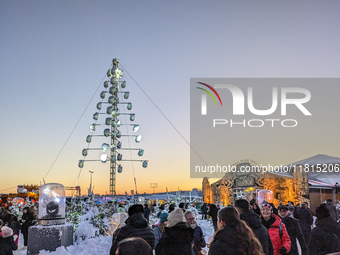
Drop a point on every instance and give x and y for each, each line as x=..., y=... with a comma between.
x=11, y=226
x=176, y=233
x=242, y=228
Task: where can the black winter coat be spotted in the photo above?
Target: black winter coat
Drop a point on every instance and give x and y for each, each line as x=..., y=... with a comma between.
x=15, y=226
x=146, y=213
x=324, y=238
x=29, y=218
x=204, y=209
x=7, y=245
x=7, y=217
x=225, y=242
x=260, y=231
x=305, y=218
x=332, y=210
x=294, y=231
x=213, y=211
x=136, y=226
x=176, y=240
x=198, y=238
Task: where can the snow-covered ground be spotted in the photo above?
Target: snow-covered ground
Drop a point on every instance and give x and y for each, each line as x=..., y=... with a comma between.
x=21, y=248
x=99, y=245
x=102, y=245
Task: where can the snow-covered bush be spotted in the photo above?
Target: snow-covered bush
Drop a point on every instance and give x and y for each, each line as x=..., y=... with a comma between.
x=90, y=220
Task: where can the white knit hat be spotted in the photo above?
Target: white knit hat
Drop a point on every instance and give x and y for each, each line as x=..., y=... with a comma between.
x=175, y=217
x=6, y=231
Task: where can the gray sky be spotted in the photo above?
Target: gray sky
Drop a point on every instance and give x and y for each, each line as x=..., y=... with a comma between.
x=54, y=55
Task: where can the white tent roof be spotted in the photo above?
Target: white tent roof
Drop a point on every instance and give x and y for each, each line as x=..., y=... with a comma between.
x=317, y=159
x=319, y=176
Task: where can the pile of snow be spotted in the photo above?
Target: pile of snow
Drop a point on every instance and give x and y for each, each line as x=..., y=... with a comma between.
x=99, y=246
x=85, y=231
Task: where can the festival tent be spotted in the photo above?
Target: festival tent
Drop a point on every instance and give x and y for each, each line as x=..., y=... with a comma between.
x=323, y=170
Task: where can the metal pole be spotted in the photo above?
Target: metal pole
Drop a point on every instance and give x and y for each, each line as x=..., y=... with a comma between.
x=113, y=141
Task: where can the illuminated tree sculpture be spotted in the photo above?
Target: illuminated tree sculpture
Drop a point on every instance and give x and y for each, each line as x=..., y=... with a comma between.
x=116, y=100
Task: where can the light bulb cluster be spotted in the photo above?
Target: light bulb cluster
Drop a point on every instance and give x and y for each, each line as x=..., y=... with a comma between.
x=113, y=87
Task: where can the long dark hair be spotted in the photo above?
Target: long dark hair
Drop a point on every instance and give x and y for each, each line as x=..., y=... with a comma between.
x=134, y=246
x=246, y=243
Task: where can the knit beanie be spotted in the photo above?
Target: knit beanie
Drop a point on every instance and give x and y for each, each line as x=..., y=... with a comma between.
x=137, y=208
x=322, y=211
x=175, y=217
x=6, y=231
x=164, y=217
x=266, y=203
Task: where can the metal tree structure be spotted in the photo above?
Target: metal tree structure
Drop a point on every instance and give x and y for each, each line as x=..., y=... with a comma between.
x=113, y=87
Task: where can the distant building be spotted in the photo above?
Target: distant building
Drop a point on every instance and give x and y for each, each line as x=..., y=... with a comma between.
x=297, y=186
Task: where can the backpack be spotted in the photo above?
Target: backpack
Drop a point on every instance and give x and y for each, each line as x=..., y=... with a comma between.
x=280, y=229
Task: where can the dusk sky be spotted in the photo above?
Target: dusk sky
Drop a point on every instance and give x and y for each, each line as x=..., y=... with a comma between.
x=55, y=54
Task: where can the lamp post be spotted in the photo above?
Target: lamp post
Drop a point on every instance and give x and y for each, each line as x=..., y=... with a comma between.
x=90, y=189
x=153, y=185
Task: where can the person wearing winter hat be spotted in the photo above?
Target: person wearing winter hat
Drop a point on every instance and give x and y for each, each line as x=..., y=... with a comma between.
x=7, y=244
x=294, y=231
x=158, y=230
x=135, y=209
x=175, y=217
x=178, y=237
x=277, y=230
x=136, y=226
x=164, y=217
x=325, y=236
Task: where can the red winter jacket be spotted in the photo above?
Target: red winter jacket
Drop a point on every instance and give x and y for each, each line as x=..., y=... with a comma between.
x=275, y=236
